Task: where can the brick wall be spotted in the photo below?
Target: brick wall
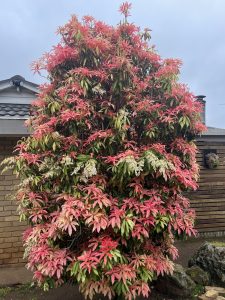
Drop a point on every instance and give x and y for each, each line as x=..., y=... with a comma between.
x=11, y=249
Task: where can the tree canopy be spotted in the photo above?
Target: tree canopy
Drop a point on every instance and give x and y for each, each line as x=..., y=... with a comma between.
x=110, y=155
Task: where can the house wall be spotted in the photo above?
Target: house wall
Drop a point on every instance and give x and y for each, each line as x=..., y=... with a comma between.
x=209, y=199
x=11, y=249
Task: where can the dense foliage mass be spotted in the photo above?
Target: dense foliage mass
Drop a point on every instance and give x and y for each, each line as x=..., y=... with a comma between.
x=110, y=154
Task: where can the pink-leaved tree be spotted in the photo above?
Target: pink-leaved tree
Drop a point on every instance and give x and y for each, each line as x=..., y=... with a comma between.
x=110, y=155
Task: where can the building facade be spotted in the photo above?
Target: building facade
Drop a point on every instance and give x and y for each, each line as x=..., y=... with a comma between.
x=16, y=95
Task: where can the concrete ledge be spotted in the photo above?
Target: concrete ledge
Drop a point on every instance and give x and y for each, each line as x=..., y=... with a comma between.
x=13, y=276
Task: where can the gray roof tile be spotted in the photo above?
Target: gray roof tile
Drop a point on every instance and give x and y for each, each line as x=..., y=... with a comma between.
x=214, y=131
x=14, y=111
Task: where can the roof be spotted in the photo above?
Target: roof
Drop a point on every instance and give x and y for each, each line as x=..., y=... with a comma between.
x=16, y=96
x=212, y=134
x=18, y=81
x=214, y=131
x=14, y=111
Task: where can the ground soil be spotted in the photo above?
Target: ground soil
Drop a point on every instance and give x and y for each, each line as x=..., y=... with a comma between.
x=68, y=292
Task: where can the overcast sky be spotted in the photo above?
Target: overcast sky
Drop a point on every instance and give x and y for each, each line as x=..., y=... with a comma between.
x=192, y=30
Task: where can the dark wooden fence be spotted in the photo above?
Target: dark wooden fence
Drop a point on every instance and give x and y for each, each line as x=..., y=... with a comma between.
x=209, y=199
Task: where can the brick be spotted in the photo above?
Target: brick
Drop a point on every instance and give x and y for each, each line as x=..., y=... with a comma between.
x=5, y=255
x=10, y=177
x=21, y=264
x=15, y=213
x=5, y=245
x=9, y=172
x=17, y=233
x=7, y=228
x=11, y=239
x=17, y=244
x=5, y=234
x=10, y=207
x=5, y=203
x=17, y=254
x=20, y=225
x=5, y=224
x=15, y=229
x=5, y=213
x=13, y=249
x=9, y=190
x=10, y=260
x=8, y=182
x=11, y=218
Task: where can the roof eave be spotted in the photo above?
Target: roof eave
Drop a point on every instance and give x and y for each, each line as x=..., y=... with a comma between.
x=13, y=127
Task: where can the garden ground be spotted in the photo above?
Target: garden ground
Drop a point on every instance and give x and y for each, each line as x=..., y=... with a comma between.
x=25, y=292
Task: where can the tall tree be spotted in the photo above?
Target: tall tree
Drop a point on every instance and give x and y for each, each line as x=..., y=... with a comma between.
x=110, y=155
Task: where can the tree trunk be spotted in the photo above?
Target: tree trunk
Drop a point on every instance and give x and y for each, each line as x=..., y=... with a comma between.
x=116, y=297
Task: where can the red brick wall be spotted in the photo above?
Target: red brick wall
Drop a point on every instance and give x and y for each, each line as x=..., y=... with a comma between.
x=11, y=249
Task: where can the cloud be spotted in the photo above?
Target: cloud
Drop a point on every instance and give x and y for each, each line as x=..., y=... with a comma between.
x=192, y=30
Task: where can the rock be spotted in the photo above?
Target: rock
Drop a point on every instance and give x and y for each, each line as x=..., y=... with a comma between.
x=178, y=285
x=202, y=297
x=216, y=288
x=220, y=290
x=211, y=258
x=211, y=294
x=198, y=275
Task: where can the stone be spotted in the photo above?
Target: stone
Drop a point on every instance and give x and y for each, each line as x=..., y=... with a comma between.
x=211, y=258
x=216, y=288
x=179, y=285
x=198, y=275
x=203, y=297
x=220, y=290
x=211, y=294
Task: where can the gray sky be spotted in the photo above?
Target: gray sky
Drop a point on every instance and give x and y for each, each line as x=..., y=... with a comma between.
x=192, y=30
